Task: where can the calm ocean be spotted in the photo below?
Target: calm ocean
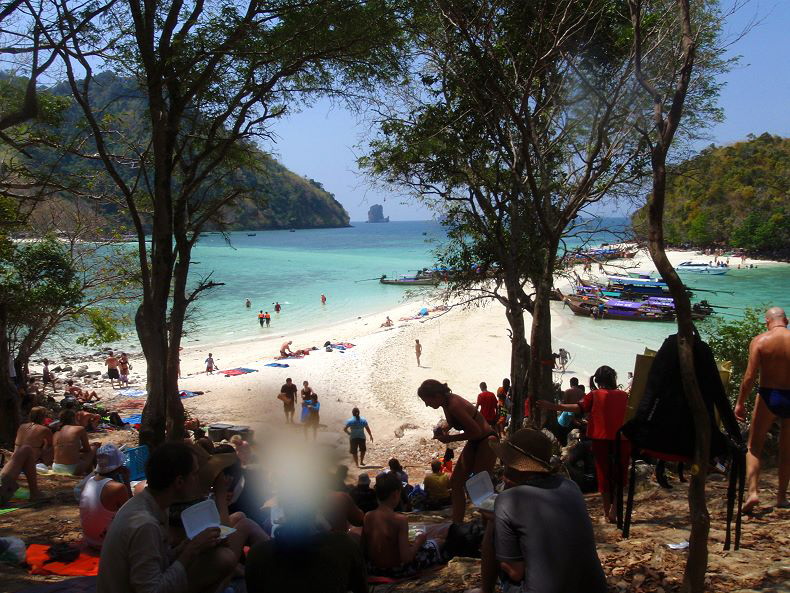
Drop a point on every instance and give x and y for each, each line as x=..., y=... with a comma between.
x=344, y=264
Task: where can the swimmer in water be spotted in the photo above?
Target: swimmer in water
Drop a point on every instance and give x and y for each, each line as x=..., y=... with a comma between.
x=248, y=303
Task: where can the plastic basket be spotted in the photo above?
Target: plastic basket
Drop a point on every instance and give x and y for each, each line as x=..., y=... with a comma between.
x=136, y=459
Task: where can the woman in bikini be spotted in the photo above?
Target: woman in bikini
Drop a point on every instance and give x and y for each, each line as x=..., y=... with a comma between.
x=477, y=455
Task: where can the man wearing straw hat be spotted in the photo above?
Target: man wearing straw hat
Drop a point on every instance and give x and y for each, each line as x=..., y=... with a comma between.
x=541, y=538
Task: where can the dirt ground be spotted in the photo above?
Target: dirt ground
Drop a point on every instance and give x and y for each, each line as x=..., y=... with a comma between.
x=643, y=563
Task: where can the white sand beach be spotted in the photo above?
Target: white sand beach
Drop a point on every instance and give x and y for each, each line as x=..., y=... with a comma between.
x=462, y=346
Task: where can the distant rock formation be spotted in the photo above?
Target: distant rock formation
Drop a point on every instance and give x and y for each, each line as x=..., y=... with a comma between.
x=376, y=214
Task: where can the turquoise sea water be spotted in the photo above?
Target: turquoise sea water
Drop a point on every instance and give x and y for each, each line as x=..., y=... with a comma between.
x=344, y=264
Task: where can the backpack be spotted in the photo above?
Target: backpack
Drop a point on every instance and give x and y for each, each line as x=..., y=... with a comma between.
x=663, y=426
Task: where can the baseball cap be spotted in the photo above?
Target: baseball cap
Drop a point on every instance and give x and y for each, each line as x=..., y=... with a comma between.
x=108, y=458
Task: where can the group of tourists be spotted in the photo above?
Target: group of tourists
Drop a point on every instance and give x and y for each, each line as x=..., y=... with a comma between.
x=310, y=416
x=537, y=535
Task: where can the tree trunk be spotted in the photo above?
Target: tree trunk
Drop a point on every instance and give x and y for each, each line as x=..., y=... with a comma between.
x=9, y=400
x=519, y=355
x=541, y=359
x=696, y=565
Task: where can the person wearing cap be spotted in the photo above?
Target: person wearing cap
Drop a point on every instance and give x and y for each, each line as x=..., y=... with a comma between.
x=541, y=538
x=103, y=494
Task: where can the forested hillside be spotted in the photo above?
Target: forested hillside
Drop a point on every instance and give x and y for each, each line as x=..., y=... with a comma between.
x=735, y=196
x=274, y=197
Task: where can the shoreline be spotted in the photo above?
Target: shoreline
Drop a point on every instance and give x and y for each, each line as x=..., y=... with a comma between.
x=462, y=346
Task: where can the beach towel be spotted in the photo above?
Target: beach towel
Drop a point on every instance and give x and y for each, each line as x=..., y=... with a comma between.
x=134, y=419
x=84, y=564
x=290, y=357
x=131, y=392
x=75, y=585
x=278, y=365
x=184, y=393
x=238, y=371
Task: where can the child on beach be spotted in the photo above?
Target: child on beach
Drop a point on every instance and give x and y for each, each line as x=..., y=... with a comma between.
x=210, y=364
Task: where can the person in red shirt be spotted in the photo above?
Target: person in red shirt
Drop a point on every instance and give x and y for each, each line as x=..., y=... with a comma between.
x=605, y=407
x=486, y=404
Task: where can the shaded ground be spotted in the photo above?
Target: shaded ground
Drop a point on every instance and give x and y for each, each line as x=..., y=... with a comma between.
x=642, y=563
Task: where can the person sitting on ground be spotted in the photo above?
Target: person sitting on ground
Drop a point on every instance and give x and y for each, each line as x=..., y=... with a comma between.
x=22, y=461
x=447, y=461
x=243, y=449
x=200, y=439
x=36, y=435
x=396, y=468
x=385, y=536
x=35, y=392
x=541, y=537
x=73, y=453
x=303, y=558
x=342, y=512
x=338, y=479
x=103, y=494
x=88, y=420
x=135, y=556
x=363, y=495
x=437, y=486
x=387, y=323
x=285, y=349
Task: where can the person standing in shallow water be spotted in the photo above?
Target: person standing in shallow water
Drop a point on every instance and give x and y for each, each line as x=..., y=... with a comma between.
x=261, y=318
x=477, y=455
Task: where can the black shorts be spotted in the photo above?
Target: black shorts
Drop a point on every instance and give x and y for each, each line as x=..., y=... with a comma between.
x=358, y=445
x=113, y=373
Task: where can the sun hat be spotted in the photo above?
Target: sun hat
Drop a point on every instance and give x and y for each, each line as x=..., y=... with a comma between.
x=527, y=450
x=108, y=458
x=211, y=465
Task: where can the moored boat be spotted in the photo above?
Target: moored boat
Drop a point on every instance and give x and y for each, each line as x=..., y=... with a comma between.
x=410, y=280
x=651, y=309
x=701, y=268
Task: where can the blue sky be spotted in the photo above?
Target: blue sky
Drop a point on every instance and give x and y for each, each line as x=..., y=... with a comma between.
x=322, y=142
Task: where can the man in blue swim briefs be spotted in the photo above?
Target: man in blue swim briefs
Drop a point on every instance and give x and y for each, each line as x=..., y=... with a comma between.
x=769, y=355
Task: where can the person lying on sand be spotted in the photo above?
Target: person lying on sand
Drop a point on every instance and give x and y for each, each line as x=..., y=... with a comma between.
x=81, y=394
